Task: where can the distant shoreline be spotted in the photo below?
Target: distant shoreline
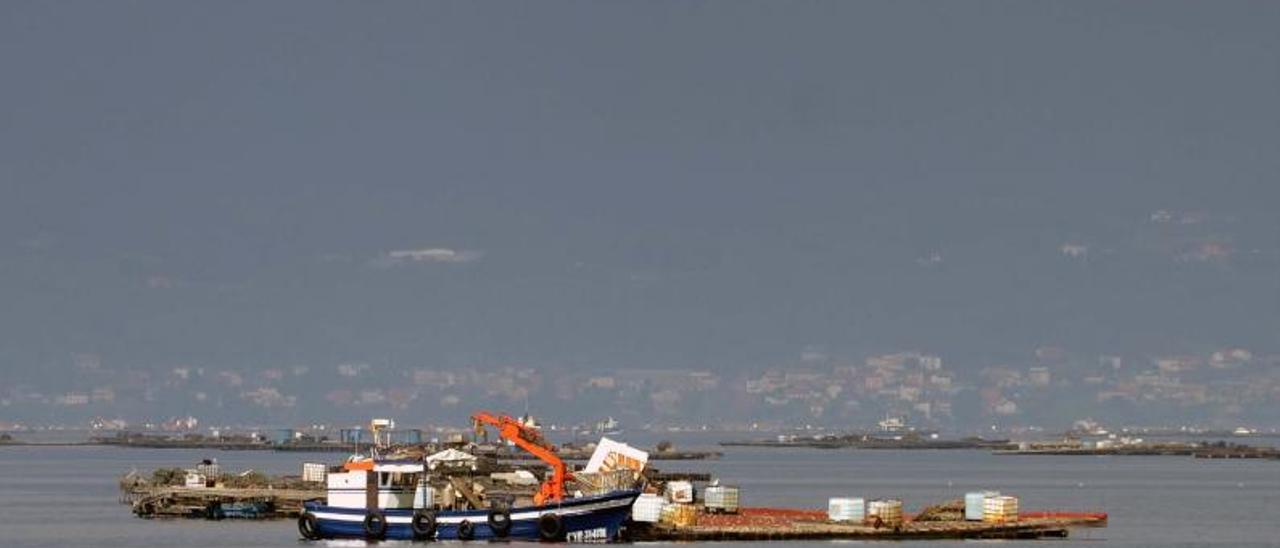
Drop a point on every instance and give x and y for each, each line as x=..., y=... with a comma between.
x=17, y=443
x=867, y=442
x=163, y=444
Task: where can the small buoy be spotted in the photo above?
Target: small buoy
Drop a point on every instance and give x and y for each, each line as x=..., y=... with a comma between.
x=950, y=483
x=1240, y=485
x=1080, y=484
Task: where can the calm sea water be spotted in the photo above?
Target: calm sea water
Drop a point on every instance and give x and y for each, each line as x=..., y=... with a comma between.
x=68, y=496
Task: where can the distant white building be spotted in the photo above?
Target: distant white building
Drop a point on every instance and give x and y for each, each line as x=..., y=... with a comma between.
x=1006, y=407
x=1074, y=250
x=931, y=363
x=1039, y=376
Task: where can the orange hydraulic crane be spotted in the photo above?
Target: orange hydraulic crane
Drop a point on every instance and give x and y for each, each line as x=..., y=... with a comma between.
x=530, y=440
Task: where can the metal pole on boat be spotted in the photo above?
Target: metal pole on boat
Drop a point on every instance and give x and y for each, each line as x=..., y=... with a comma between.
x=428, y=492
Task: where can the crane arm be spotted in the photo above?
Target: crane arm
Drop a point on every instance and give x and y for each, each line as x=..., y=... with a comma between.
x=530, y=440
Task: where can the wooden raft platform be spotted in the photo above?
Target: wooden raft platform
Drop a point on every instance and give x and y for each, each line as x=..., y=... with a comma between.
x=220, y=502
x=779, y=524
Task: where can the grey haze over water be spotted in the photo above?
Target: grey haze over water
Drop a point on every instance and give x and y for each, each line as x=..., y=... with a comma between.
x=1147, y=498
x=712, y=185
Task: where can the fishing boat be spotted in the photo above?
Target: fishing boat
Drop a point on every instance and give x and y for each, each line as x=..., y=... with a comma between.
x=377, y=499
x=581, y=519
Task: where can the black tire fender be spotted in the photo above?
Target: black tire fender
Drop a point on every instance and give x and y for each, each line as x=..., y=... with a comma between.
x=375, y=525
x=551, y=527
x=466, y=530
x=500, y=522
x=423, y=525
x=307, y=526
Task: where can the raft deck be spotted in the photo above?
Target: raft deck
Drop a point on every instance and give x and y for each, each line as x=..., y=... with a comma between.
x=783, y=524
x=219, y=502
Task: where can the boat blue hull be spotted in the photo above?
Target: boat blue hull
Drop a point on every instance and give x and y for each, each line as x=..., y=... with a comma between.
x=595, y=519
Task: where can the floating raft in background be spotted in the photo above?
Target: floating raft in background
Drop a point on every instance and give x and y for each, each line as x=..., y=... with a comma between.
x=786, y=524
x=220, y=503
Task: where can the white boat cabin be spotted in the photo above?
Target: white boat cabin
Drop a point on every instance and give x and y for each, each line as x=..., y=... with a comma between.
x=398, y=485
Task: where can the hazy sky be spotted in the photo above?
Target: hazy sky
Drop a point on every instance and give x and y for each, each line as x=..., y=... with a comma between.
x=634, y=183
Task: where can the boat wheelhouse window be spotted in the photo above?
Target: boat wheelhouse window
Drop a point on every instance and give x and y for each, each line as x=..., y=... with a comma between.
x=397, y=479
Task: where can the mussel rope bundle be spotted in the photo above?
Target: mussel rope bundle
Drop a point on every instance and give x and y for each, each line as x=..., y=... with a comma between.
x=375, y=525
x=423, y=524
x=500, y=522
x=307, y=526
x=551, y=527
